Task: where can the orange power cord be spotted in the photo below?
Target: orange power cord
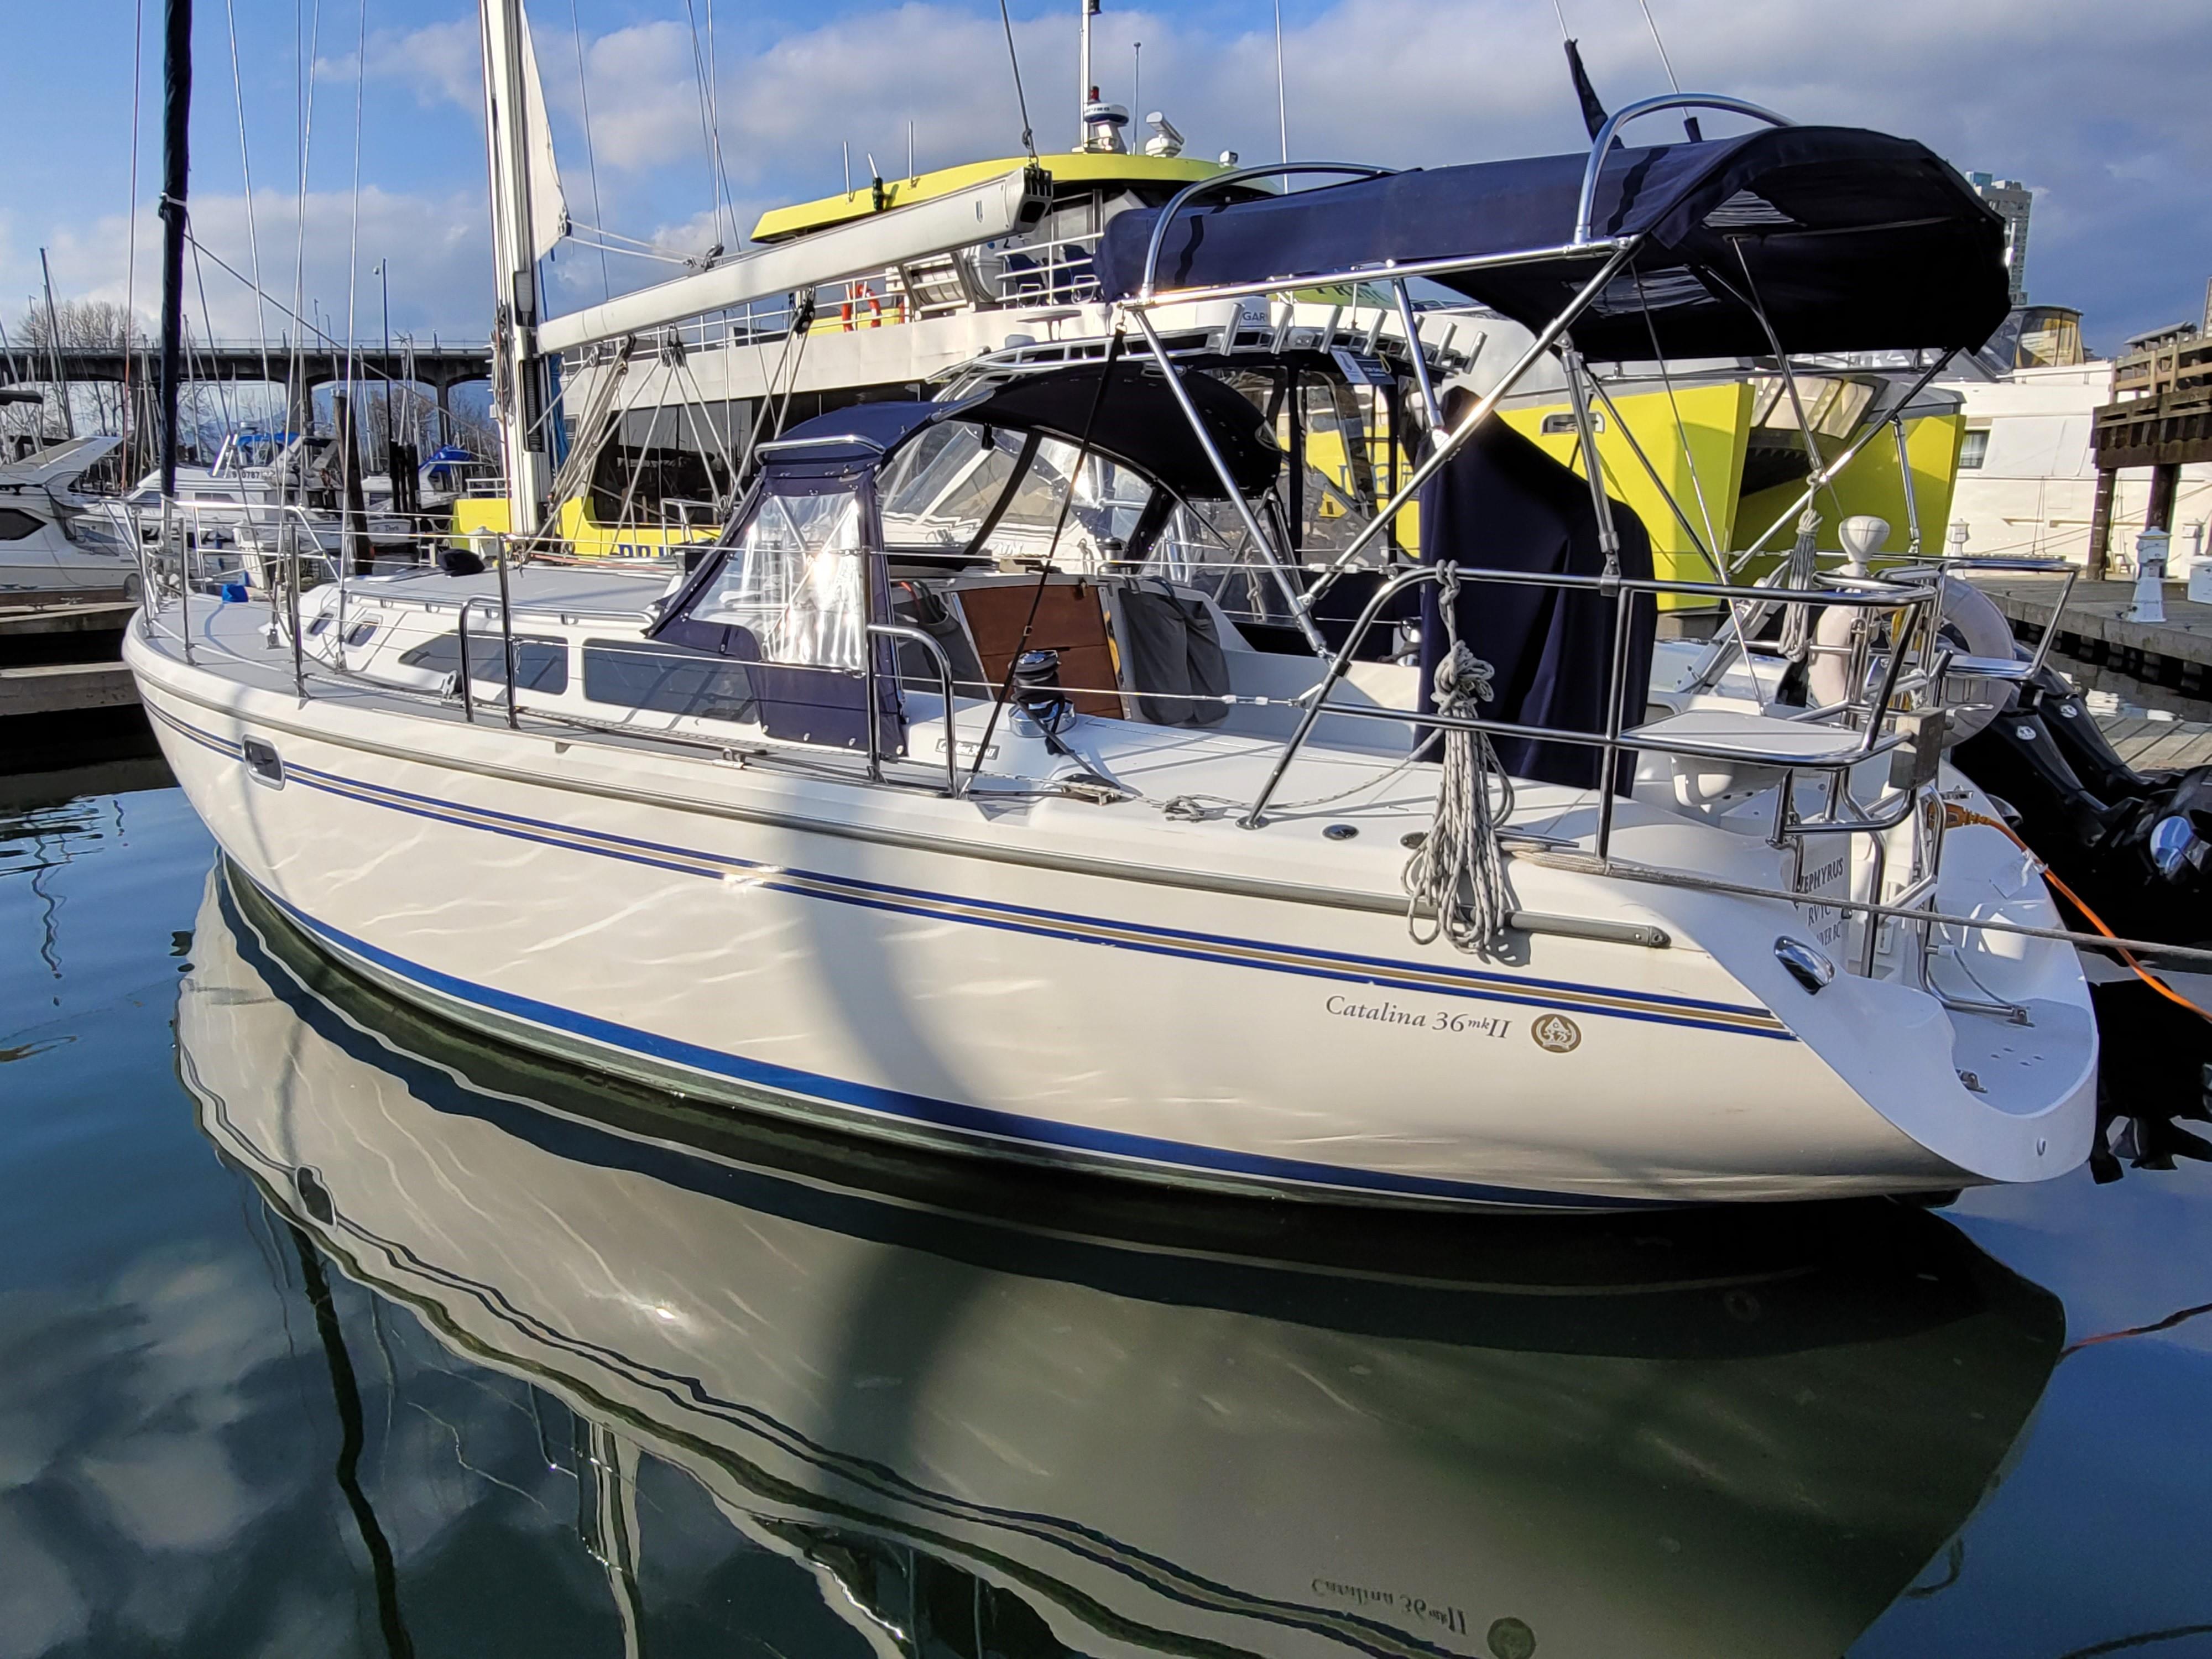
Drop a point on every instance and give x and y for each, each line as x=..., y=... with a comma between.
x=1955, y=816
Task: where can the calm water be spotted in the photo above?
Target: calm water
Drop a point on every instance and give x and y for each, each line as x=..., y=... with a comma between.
x=323, y=1331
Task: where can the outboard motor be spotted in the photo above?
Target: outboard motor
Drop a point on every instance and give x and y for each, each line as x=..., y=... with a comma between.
x=2137, y=846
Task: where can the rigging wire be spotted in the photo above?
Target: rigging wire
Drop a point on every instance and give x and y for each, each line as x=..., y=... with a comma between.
x=714, y=108
x=1282, y=103
x=307, y=30
x=709, y=138
x=224, y=400
x=1665, y=62
x=1689, y=122
x=130, y=254
x=246, y=169
x=348, y=460
x=591, y=150
x=1021, y=98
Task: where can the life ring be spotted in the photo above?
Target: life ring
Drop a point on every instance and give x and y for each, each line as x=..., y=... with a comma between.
x=1964, y=611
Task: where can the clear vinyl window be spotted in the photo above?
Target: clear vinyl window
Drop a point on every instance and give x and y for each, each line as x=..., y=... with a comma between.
x=794, y=578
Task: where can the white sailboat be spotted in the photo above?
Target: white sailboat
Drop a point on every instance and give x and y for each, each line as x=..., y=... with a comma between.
x=789, y=839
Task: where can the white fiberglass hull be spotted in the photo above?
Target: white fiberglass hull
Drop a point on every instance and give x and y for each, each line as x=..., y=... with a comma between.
x=933, y=969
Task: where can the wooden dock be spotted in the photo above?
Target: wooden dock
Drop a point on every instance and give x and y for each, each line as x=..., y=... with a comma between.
x=59, y=655
x=2151, y=745
x=65, y=698
x=2176, y=654
x=62, y=688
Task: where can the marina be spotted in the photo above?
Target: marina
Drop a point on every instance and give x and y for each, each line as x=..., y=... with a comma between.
x=1110, y=900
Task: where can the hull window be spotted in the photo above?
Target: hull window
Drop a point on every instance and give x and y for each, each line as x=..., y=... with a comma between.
x=540, y=663
x=667, y=681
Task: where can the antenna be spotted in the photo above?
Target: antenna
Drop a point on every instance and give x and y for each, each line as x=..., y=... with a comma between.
x=1689, y=122
x=911, y=177
x=848, y=147
x=1083, y=94
x=1652, y=23
x=1282, y=105
x=1137, y=92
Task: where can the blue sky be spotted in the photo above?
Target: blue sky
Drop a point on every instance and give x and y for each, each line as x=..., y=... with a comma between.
x=2100, y=109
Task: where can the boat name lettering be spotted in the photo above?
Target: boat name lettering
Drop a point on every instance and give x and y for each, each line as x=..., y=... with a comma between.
x=1389, y=1014
x=1366, y=1596
x=1825, y=921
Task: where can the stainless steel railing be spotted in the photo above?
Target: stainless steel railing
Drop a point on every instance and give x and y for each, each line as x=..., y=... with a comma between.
x=1613, y=741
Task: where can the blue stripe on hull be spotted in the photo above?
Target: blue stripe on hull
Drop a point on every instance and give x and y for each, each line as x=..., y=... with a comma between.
x=1517, y=990
x=961, y=1121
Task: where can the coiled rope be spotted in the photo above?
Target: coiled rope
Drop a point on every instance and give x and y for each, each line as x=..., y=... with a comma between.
x=1457, y=873
x=1801, y=571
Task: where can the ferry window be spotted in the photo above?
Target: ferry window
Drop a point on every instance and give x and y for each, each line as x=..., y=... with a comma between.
x=672, y=682
x=15, y=524
x=1973, y=449
x=793, y=580
x=540, y=663
x=214, y=496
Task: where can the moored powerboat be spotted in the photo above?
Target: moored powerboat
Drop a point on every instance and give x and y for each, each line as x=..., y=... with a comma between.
x=55, y=541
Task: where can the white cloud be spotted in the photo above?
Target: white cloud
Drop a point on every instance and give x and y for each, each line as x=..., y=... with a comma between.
x=441, y=62
x=440, y=249
x=40, y=1606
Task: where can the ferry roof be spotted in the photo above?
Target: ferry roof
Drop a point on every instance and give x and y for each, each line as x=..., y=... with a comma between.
x=1074, y=168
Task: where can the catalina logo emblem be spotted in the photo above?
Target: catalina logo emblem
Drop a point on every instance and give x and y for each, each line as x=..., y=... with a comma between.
x=1556, y=1034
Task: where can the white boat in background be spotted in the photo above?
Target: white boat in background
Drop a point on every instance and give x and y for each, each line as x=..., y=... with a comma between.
x=1048, y=1418
x=54, y=540
x=267, y=490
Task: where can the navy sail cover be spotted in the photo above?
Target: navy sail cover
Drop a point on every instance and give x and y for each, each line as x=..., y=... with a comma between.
x=1138, y=423
x=1847, y=241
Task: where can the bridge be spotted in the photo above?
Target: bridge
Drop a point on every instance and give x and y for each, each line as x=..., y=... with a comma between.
x=441, y=364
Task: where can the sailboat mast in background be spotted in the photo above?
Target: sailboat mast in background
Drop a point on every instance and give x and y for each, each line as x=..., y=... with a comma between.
x=176, y=168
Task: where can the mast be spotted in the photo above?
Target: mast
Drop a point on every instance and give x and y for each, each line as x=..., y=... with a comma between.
x=518, y=370
x=176, y=167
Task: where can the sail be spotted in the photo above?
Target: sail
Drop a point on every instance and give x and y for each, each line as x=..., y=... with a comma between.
x=548, y=207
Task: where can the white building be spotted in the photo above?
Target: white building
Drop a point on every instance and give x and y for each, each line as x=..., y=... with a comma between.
x=2027, y=479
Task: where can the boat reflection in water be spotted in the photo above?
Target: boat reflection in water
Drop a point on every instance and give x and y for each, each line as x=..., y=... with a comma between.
x=1013, y=1415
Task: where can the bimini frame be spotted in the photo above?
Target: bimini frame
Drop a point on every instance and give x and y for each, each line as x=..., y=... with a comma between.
x=1911, y=604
